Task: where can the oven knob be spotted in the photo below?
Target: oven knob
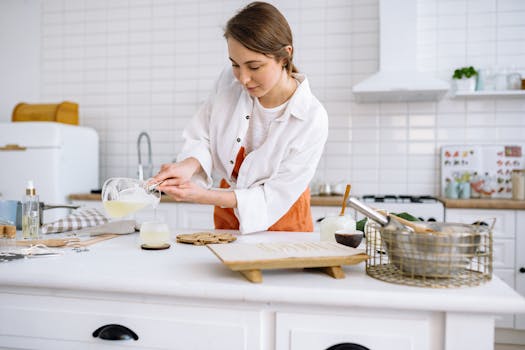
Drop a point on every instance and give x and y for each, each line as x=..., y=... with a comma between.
x=522, y=269
x=432, y=219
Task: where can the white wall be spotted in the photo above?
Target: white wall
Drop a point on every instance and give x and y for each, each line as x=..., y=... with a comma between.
x=19, y=54
x=138, y=65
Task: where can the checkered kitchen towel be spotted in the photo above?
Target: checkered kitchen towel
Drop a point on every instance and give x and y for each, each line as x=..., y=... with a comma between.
x=78, y=219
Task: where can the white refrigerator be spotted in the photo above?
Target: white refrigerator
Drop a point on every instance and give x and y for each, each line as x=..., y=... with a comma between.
x=60, y=159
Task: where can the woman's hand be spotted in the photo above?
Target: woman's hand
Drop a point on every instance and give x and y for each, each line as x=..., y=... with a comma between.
x=191, y=192
x=175, y=180
x=184, y=192
x=175, y=174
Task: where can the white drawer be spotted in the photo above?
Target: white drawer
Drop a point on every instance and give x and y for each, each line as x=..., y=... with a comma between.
x=38, y=322
x=505, y=219
x=376, y=332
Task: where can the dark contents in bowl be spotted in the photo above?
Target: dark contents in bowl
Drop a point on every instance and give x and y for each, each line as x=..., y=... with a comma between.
x=352, y=239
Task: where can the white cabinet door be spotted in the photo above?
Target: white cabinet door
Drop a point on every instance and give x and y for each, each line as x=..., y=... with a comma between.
x=507, y=276
x=169, y=213
x=195, y=216
x=373, y=331
x=69, y=323
x=505, y=247
x=520, y=262
x=503, y=253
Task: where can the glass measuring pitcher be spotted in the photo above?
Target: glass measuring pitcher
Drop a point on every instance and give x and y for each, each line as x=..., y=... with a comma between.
x=123, y=196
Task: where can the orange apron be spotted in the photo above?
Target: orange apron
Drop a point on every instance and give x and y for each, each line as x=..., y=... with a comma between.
x=297, y=218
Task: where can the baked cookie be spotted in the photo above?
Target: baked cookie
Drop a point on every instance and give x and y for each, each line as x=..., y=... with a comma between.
x=202, y=238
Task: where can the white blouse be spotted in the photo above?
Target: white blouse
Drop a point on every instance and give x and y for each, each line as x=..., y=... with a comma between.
x=272, y=176
x=260, y=122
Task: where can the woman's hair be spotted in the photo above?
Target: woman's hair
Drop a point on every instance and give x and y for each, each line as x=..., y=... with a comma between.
x=260, y=27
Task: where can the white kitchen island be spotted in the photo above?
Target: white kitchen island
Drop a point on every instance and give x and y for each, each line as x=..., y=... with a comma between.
x=185, y=298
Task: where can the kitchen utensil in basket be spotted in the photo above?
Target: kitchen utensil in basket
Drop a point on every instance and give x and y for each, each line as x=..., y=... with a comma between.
x=454, y=255
x=345, y=197
x=413, y=225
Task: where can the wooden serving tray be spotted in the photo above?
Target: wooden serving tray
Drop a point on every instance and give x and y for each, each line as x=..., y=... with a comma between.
x=250, y=259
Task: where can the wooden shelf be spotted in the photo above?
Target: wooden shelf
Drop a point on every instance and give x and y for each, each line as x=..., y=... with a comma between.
x=489, y=94
x=484, y=203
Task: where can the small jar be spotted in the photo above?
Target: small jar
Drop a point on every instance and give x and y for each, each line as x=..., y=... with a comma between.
x=518, y=184
x=451, y=190
x=333, y=223
x=486, y=79
x=501, y=80
x=464, y=190
x=514, y=81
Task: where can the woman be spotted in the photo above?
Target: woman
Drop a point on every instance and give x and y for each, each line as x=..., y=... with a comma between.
x=261, y=131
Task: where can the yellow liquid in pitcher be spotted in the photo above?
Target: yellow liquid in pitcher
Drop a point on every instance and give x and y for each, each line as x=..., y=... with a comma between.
x=119, y=209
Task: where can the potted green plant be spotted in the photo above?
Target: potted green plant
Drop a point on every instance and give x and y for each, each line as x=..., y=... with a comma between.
x=465, y=78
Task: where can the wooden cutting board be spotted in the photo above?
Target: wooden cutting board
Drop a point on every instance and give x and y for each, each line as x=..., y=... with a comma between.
x=69, y=242
x=51, y=242
x=250, y=259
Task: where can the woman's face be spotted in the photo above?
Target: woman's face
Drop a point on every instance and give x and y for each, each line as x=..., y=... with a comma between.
x=257, y=72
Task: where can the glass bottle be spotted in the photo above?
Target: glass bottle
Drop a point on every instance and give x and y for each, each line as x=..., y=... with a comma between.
x=518, y=184
x=30, y=213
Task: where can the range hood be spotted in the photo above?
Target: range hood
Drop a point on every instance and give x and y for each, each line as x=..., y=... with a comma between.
x=398, y=78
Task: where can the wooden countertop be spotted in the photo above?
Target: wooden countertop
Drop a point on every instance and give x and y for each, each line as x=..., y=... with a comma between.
x=336, y=201
x=97, y=197
x=315, y=200
x=449, y=203
x=326, y=201
x=84, y=197
x=483, y=203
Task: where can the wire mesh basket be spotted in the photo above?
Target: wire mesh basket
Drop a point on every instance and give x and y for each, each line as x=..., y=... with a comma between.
x=455, y=255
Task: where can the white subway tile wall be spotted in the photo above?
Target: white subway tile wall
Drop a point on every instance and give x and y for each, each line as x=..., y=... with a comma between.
x=145, y=65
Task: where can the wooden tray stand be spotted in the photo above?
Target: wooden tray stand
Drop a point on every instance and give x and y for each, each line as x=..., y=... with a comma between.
x=252, y=270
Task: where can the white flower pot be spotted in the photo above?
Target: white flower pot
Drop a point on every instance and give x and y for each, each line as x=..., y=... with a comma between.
x=465, y=84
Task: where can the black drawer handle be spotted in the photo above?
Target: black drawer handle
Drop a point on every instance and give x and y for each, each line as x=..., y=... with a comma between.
x=347, y=346
x=115, y=332
x=480, y=223
x=522, y=269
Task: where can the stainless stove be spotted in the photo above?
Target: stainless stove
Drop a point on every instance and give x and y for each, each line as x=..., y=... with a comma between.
x=426, y=208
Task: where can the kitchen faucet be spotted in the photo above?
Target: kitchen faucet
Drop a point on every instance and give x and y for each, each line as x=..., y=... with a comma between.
x=149, y=166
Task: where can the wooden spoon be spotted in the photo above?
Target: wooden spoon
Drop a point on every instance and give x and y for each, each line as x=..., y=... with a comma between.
x=345, y=197
x=413, y=225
